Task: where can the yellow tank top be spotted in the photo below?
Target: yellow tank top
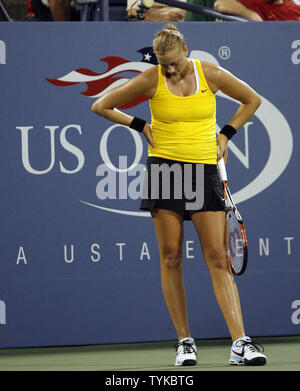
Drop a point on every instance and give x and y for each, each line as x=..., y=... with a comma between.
x=183, y=127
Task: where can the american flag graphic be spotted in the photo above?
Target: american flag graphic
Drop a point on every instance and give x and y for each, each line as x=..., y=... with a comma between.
x=99, y=83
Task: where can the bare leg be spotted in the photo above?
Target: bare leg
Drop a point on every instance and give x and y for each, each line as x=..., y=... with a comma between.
x=169, y=232
x=211, y=229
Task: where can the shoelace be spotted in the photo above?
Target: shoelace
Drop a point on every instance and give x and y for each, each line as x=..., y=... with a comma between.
x=250, y=345
x=187, y=347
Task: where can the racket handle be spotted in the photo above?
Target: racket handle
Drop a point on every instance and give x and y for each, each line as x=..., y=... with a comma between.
x=222, y=170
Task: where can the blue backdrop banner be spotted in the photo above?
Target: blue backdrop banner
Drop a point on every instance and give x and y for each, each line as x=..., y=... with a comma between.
x=79, y=262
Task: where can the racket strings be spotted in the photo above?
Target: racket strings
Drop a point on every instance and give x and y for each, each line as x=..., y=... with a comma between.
x=235, y=237
x=236, y=242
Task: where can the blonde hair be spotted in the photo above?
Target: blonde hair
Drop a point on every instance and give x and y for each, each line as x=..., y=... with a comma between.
x=169, y=38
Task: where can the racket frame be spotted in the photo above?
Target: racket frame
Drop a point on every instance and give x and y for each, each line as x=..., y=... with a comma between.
x=230, y=206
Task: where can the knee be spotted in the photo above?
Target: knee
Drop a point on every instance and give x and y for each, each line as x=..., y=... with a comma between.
x=216, y=258
x=171, y=258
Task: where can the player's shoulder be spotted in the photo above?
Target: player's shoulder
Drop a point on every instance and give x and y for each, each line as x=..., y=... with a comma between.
x=149, y=77
x=151, y=73
x=209, y=67
x=145, y=82
x=212, y=72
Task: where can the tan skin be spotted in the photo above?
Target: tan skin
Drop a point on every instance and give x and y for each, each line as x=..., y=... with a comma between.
x=210, y=226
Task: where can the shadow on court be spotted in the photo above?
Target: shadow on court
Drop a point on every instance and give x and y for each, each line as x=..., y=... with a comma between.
x=283, y=354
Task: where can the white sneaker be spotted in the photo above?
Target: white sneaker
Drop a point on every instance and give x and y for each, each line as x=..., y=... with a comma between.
x=243, y=351
x=186, y=352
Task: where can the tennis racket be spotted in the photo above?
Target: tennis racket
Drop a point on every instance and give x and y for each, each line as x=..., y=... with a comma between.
x=236, y=235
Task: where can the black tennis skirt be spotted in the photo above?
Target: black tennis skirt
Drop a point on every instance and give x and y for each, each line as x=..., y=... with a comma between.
x=181, y=186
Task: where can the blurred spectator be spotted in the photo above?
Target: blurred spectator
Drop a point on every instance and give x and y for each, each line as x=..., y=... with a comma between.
x=192, y=16
x=54, y=10
x=60, y=10
x=158, y=13
x=30, y=13
x=260, y=10
x=40, y=11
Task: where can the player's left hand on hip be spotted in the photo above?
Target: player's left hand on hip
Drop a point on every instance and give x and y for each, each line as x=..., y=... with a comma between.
x=222, y=147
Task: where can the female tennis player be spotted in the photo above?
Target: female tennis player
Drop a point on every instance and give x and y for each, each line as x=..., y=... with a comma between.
x=182, y=138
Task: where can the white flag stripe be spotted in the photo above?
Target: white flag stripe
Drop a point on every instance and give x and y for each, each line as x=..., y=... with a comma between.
x=78, y=77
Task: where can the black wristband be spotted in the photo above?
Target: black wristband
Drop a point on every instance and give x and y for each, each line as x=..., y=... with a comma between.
x=137, y=124
x=228, y=130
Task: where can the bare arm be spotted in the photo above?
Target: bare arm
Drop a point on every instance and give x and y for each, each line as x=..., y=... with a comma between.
x=165, y=14
x=234, y=7
x=159, y=14
x=220, y=79
x=143, y=84
x=60, y=9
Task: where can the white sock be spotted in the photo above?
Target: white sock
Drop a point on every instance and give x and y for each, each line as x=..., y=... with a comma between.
x=187, y=339
x=244, y=338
